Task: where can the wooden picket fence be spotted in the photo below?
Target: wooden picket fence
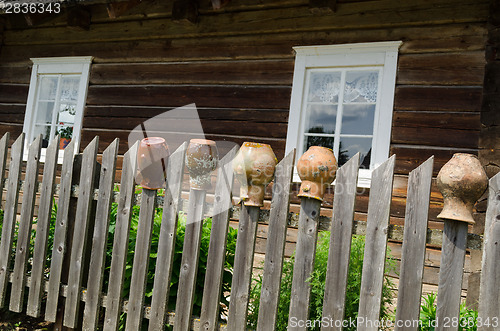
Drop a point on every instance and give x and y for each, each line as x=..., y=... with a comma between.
x=85, y=195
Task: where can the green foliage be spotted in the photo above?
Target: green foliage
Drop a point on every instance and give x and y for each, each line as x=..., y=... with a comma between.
x=467, y=320
x=317, y=281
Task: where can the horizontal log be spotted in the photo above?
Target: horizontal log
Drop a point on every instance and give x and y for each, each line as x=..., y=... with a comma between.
x=442, y=120
x=13, y=93
x=438, y=98
x=204, y=96
x=435, y=137
x=18, y=73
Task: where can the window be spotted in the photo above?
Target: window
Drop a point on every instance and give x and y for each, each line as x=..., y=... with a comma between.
x=56, y=99
x=342, y=98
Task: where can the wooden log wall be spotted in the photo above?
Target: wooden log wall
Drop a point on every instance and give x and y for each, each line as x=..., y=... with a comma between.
x=236, y=64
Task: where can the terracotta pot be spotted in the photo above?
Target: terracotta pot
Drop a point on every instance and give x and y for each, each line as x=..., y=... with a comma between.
x=317, y=168
x=201, y=161
x=254, y=167
x=63, y=142
x=152, y=159
x=462, y=181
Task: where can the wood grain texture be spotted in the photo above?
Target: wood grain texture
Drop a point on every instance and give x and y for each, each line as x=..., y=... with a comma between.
x=413, y=252
x=435, y=137
x=451, y=274
x=304, y=261
x=210, y=315
x=4, y=148
x=275, y=246
x=375, y=245
x=13, y=93
x=120, y=241
x=79, y=244
x=100, y=236
x=141, y=260
x=437, y=119
x=340, y=243
x=25, y=223
x=10, y=212
x=60, y=233
x=166, y=242
x=489, y=305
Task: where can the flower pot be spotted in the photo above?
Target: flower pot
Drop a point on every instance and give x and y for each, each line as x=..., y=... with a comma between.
x=317, y=168
x=254, y=167
x=63, y=142
x=152, y=159
x=201, y=161
x=462, y=181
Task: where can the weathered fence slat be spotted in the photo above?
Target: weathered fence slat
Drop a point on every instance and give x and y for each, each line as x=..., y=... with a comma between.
x=340, y=243
x=82, y=219
x=243, y=262
x=413, y=251
x=451, y=273
x=305, y=253
x=25, y=223
x=375, y=245
x=189, y=261
x=100, y=236
x=42, y=229
x=141, y=260
x=217, y=248
x=166, y=242
x=275, y=246
x=489, y=305
x=9, y=219
x=120, y=242
x=60, y=232
x=4, y=147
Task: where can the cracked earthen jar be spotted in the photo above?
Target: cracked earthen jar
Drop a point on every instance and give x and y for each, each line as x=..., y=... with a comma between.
x=254, y=167
x=201, y=161
x=152, y=160
x=317, y=168
x=462, y=181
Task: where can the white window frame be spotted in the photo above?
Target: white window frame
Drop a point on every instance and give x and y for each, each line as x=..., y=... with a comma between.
x=75, y=65
x=383, y=55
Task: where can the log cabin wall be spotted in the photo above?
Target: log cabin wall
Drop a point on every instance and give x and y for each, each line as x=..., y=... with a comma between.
x=236, y=64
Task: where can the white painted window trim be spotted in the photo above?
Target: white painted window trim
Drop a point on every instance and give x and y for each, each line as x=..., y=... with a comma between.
x=75, y=65
x=377, y=54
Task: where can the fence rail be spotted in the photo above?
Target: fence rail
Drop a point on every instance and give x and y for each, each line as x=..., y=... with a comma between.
x=85, y=195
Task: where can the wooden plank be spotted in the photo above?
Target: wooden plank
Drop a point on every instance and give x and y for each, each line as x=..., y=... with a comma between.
x=13, y=93
x=60, y=233
x=435, y=137
x=413, y=255
x=275, y=246
x=78, y=248
x=10, y=212
x=242, y=271
x=24, y=229
x=166, y=242
x=375, y=246
x=304, y=261
x=120, y=243
x=217, y=247
x=189, y=261
x=434, y=119
x=4, y=148
x=99, y=240
x=340, y=244
x=141, y=260
x=451, y=274
x=489, y=305
x=42, y=229
x=16, y=74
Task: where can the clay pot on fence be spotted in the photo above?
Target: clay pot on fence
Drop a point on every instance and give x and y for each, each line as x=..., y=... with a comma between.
x=152, y=159
x=462, y=181
x=254, y=167
x=201, y=161
x=317, y=168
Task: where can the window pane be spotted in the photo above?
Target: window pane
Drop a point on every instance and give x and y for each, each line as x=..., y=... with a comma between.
x=69, y=88
x=361, y=86
x=44, y=130
x=66, y=113
x=321, y=119
x=324, y=87
x=318, y=141
x=358, y=119
x=44, y=112
x=350, y=146
x=48, y=88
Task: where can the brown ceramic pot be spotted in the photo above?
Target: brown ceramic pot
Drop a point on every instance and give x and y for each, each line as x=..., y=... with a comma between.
x=462, y=180
x=152, y=159
x=317, y=168
x=254, y=167
x=201, y=161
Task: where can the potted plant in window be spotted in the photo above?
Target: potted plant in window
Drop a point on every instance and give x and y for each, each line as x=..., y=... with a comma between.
x=65, y=133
